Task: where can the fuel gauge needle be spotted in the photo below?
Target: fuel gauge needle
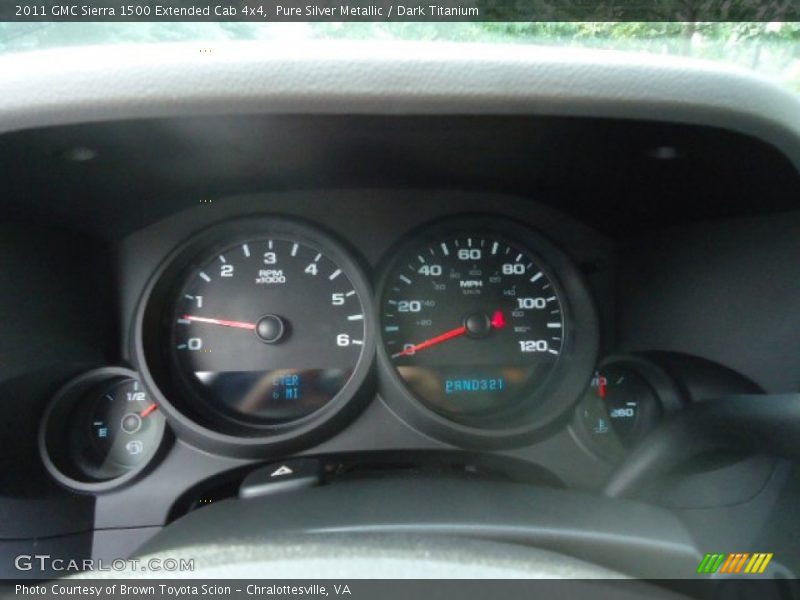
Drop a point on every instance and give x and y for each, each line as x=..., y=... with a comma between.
x=148, y=410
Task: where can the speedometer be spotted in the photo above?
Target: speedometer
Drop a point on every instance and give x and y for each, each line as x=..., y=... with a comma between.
x=477, y=325
x=472, y=323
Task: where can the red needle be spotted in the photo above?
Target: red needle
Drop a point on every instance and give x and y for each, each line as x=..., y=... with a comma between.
x=148, y=410
x=432, y=342
x=223, y=322
x=497, y=321
x=601, y=387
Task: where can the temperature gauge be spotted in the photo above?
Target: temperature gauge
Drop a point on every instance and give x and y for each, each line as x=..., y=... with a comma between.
x=618, y=408
x=101, y=429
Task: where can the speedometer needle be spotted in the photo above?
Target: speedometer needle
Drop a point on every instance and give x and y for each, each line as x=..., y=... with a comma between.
x=409, y=350
x=223, y=322
x=497, y=321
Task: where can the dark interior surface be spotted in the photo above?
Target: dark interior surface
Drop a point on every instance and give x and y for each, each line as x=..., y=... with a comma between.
x=618, y=177
x=686, y=238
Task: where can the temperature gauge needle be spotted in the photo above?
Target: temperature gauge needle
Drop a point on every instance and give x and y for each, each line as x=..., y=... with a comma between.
x=223, y=322
x=497, y=321
x=602, y=387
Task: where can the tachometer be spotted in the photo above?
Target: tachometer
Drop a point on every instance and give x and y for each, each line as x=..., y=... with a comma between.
x=268, y=329
x=263, y=332
x=477, y=325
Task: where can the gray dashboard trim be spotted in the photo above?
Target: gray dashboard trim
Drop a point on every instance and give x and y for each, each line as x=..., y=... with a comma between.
x=66, y=86
x=626, y=536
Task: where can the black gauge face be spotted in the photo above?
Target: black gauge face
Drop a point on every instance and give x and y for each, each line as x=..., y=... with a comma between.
x=618, y=408
x=116, y=431
x=267, y=330
x=473, y=323
x=100, y=430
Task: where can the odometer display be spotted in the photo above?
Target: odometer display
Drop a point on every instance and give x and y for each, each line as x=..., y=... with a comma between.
x=472, y=322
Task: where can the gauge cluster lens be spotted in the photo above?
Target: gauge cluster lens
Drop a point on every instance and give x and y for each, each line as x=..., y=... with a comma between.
x=488, y=332
x=472, y=323
x=257, y=332
x=267, y=329
x=100, y=428
x=261, y=332
x=618, y=408
x=121, y=429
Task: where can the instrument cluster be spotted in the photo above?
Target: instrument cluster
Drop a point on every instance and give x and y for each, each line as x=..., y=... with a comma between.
x=265, y=335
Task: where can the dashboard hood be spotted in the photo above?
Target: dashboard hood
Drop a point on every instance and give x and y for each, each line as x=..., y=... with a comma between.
x=64, y=86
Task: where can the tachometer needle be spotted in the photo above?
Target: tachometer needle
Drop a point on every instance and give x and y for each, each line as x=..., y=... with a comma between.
x=223, y=322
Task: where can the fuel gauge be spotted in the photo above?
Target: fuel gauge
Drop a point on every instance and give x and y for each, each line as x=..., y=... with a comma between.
x=100, y=430
x=122, y=429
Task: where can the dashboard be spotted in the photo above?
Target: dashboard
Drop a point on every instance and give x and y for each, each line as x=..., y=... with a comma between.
x=509, y=297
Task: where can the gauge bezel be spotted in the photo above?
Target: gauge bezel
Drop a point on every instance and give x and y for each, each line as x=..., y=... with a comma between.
x=664, y=387
x=58, y=410
x=565, y=383
x=210, y=430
